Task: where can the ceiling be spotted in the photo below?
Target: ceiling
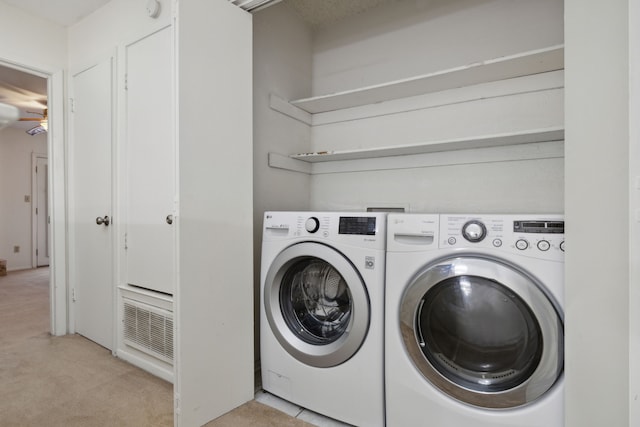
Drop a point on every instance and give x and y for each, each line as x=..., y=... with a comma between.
x=322, y=13
x=317, y=13
x=61, y=12
x=29, y=93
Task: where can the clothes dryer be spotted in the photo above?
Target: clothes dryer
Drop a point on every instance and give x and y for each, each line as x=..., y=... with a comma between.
x=322, y=312
x=474, y=320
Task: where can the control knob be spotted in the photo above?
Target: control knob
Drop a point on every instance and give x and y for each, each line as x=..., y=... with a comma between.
x=312, y=224
x=544, y=245
x=474, y=231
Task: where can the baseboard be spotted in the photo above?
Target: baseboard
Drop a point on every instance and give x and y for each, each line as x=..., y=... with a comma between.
x=153, y=367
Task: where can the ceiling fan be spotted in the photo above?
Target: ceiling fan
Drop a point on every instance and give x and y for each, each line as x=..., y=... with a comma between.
x=8, y=114
x=43, y=124
x=24, y=94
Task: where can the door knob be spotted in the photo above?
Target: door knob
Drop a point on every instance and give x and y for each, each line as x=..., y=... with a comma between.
x=103, y=221
x=169, y=219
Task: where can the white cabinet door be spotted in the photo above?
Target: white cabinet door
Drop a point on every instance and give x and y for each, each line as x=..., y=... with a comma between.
x=90, y=184
x=214, y=366
x=150, y=167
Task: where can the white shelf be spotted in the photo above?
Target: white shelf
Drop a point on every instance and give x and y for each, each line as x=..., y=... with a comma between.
x=508, y=67
x=516, y=138
x=523, y=64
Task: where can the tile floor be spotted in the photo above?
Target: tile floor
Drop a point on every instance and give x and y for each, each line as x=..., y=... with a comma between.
x=296, y=411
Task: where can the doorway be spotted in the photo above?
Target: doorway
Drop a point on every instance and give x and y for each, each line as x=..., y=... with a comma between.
x=40, y=234
x=32, y=92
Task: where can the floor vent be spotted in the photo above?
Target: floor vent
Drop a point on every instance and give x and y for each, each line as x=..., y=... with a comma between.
x=149, y=329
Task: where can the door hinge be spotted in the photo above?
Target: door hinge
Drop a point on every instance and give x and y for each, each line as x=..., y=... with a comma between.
x=126, y=245
x=36, y=252
x=36, y=211
x=72, y=105
x=73, y=294
x=126, y=82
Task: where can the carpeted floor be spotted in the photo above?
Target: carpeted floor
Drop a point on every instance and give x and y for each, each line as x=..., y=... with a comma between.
x=70, y=381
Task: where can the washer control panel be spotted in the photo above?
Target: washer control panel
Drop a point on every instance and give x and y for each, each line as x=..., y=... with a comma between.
x=361, y=229
x=539, y=236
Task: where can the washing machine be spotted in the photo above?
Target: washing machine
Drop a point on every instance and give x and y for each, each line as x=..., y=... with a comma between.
x=322, y=312
x=474, y=320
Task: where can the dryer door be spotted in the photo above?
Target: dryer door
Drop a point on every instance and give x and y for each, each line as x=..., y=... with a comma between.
x=483, y=332
x=316, y=304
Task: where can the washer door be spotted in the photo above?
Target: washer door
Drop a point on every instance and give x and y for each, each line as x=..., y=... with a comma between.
x=483, y=332
x=316, y=304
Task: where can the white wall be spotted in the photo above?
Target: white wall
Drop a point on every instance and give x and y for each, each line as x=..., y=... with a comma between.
x=634, y=205
x=533, y=186
x=16, y=148
x=118, y=22
x=282, y=65
x=597, y=213
x=406, y=39
x=451, y=114
x=31, y=41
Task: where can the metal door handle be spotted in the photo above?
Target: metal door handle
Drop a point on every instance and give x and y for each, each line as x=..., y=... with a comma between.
x=169, y=219
x=103, y=221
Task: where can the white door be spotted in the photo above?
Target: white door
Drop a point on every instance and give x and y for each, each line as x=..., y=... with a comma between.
x=42, y=212
x=150, y=157
x=90, y=183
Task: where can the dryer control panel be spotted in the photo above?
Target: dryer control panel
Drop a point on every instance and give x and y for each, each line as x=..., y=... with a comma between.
x=539, y=236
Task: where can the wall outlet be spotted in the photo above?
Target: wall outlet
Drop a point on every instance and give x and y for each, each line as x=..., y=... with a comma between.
x=16, y=249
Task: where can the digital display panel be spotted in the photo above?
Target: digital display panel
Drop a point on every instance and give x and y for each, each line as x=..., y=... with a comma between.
x=361, y=225
x=550, y=227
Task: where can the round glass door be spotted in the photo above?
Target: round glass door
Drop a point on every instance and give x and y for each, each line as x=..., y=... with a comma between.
x=316, y=304
x=483, y=332
x=315, y=301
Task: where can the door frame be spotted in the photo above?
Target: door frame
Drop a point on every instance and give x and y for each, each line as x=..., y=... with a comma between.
x=34, y=205
x=57, y=204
